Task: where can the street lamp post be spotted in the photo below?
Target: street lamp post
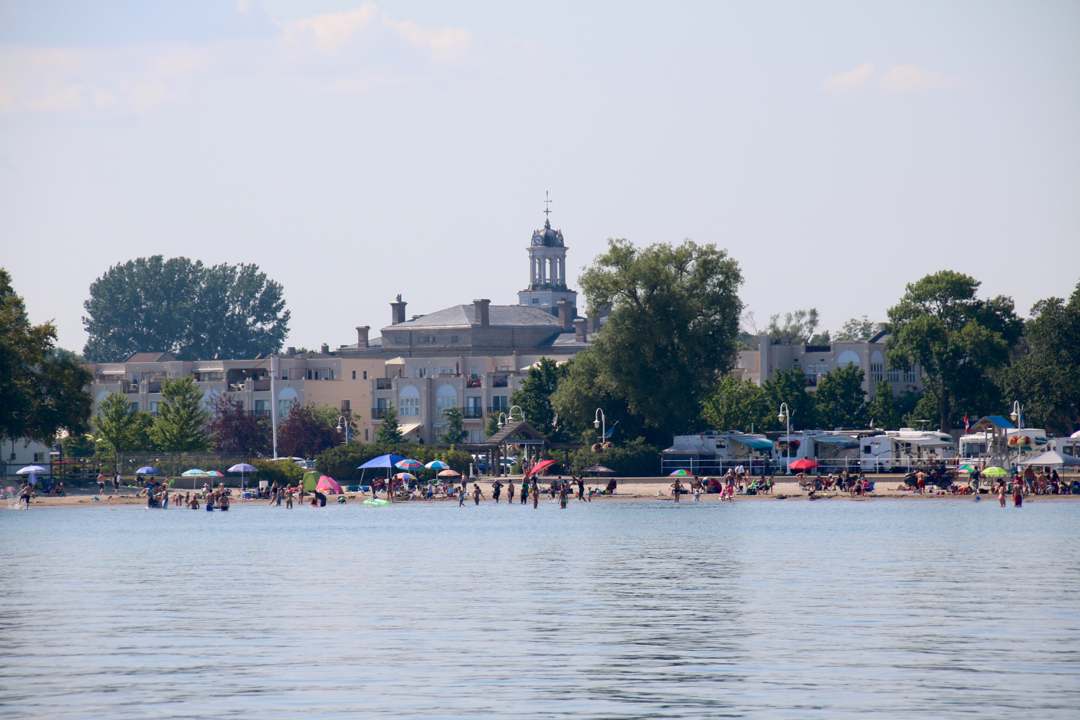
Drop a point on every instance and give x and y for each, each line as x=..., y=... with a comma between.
x=600, y=423
x=785, y=417
x=1017, y=414
x=343, y=423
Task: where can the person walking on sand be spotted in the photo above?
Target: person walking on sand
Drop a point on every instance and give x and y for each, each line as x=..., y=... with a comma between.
x=477, y=493
x=101, y=483
x=920, y=481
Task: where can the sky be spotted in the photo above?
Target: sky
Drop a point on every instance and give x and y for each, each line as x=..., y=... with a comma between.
x=355, y=151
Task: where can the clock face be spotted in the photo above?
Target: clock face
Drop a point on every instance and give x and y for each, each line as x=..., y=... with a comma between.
x=538, y=240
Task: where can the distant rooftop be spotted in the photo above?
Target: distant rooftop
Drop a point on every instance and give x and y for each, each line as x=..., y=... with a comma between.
x=151, y=357
x=501, y=316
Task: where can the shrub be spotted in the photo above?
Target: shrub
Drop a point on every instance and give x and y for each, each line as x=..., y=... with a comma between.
x=635, y=459
x=281, y=471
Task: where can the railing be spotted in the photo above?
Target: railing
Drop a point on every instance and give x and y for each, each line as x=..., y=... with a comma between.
x=473, y=381
x=499, y=409
x=499, y=381
x=153, y=387
x=378, y=413
x=472, y=412
x=384, y=383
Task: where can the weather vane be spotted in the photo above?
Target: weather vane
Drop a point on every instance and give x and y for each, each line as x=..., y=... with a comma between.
x=547, y=203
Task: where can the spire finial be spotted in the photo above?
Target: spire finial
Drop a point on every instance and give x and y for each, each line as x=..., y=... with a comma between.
x=547, y=203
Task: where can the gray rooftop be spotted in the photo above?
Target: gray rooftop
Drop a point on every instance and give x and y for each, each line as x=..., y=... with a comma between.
x=503, y=316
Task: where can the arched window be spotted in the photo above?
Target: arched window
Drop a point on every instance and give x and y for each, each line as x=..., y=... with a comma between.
x=445, y=398
x=877, y=367
x=286, y=399
x=409, y=401
x=848, y=357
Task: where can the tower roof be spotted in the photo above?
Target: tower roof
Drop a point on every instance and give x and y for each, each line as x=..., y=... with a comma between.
x=547, y=237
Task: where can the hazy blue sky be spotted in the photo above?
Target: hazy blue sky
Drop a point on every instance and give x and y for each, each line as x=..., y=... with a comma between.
x=838, y=150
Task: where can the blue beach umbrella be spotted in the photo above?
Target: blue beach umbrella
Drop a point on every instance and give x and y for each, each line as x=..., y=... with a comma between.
x=146, y=470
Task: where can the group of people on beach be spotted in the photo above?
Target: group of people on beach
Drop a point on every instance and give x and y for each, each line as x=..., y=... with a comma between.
x=558, y=488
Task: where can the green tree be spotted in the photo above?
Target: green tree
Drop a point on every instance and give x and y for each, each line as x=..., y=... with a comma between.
x=855, y=329
x=454, y=431
x=534, y=398
x=672, y=330
x=119, y=427
x=181, y=422
x=42, y=389
x=389, y=432
x=839, y=400
x=955, y=337
x=789, y=386
x=735, y=404
x=492, y=424
x=798, y=329
x=882, y=410
x=185, y=308
x=1045, y=372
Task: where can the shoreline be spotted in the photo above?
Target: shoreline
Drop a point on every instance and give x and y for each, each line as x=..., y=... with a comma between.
x=636, y=489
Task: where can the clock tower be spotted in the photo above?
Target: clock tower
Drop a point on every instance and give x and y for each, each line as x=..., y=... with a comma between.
x=547, y=271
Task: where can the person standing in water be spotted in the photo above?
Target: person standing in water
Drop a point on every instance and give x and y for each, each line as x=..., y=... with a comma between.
x=676, y=489
x=535, y=495
x=477, y=493
x=496, y=490
x=510, y=492
x=524, y=491
x=563, y=493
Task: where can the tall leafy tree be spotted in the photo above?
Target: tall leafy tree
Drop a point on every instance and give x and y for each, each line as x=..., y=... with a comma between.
x=1045, y=372
x=735, y=404
x=954, y=336
x=534, y=398
x=839, y=400
x=304, y=434
x=181, y=422
x=119, y=427
x=789, y=386
x=42, y=389
x=185, y=308
x=234, y=429
x=856, y=329
x=389, y=432
x=882, y=410
x=798, y=329
x=672, y=330
x=454, y=431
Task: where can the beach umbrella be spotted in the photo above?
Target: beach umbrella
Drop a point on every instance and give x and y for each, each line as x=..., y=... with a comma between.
x=449, y=473
x=680, y=472
x=405, y=476
x=599, y=469
x=243, y=469
x=214, y=473
x=146, y=470
x=437, y=465
x=31, y=470
x=194, y=473
x=994, y=471
x=383, y=461
x=965, y=468
x=406, y=464
x=803, y=464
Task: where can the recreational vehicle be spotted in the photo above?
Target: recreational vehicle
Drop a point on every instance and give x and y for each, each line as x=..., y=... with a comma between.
x=713, y=453
x=904, y=449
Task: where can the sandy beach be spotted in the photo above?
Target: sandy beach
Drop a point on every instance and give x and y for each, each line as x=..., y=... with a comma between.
x=658, y=489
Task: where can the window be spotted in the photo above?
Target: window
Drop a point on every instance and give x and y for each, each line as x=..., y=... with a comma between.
x=453, y=338
x=909, y=376
x=284, y=374
x=894, y=376
x=500, y=403
x=262, y=407
x=39, y=457
x=536, y=301
x=476, y=436
x=135, y=406
x=153, y=408
x=346, y=406
x=410, y=407
x=365, y=434
x=365, y=374
x=399, y=340
x=877, y=372
x=283, y=407
x=444, y=402
x=354, y=375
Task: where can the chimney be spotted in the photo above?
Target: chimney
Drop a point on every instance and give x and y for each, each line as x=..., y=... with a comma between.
x=480, y=308
x=362, y=335
x=397, y=311
x=291, y=351
x=580, y=334
x=566, y=315
x=325, y=349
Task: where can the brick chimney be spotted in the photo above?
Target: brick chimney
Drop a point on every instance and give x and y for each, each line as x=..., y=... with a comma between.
x=581, y=335
x=362, y=335
x=480, y=310
x=566, y=315
x=397, y=311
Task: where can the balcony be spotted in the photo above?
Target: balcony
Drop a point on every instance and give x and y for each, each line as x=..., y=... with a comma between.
x=377, y=413
x=499, y=409
x=384, y=383
x=499, y=381
x=477, y=411
x=473, y=381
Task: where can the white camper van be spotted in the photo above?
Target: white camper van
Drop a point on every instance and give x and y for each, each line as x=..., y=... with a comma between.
x=904, y=449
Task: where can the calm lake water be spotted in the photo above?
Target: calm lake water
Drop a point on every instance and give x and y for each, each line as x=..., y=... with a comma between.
x=836, y=609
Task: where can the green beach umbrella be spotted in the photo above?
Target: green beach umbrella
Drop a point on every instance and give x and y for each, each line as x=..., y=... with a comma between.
x=680, y=472
x=995, y=471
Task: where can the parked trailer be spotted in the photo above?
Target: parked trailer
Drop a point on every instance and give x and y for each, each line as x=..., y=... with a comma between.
x=904, y=449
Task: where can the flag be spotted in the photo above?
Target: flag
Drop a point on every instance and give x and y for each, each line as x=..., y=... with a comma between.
x=967, y=428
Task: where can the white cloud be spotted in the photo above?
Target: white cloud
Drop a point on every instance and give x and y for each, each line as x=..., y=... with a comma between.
x=351, y=51
x=850, y=80
x=899, y=78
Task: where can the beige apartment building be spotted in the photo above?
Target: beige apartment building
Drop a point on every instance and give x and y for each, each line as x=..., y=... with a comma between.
x=322, y=378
